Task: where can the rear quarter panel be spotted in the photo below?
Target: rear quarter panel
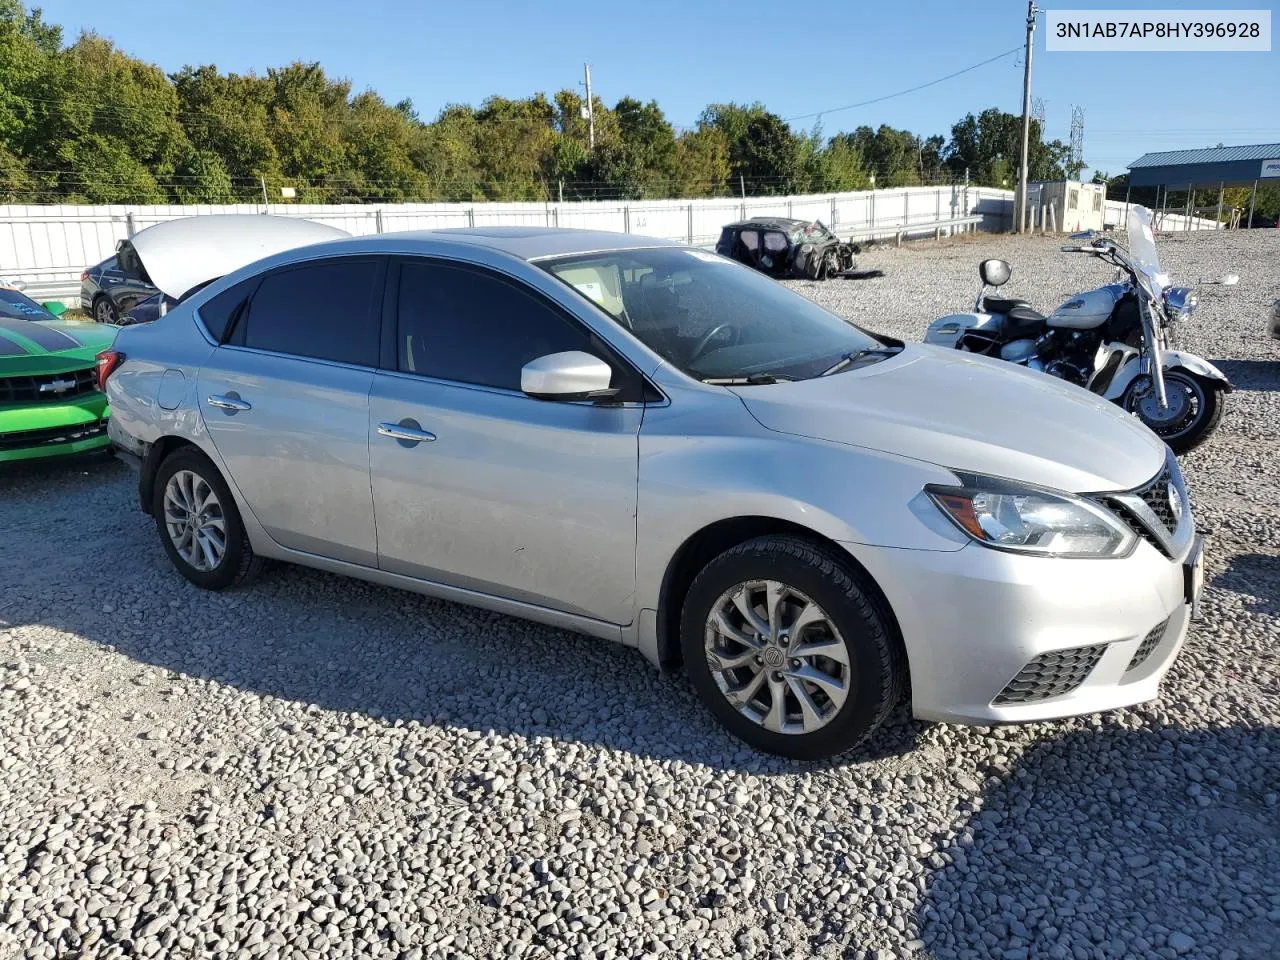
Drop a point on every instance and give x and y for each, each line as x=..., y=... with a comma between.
x=169, y=351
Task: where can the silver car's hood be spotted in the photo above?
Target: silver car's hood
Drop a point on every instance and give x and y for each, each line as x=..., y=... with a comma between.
x=970, y=413
x=181, y=254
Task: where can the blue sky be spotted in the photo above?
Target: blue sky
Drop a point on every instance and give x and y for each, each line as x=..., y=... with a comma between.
x=795, y=58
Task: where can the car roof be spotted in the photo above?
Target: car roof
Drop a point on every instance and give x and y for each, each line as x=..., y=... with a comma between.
x=527, y=243
x=771, y=223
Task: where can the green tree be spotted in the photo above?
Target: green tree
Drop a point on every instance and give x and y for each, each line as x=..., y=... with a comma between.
x=228, y=115
x=989, y=146
x=702, y=163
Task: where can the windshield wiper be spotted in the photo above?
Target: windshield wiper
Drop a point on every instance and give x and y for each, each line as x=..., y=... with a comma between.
x=849, y=359
x=752, y=380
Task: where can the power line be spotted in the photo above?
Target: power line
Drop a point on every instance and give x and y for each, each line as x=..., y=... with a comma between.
x=902, y=93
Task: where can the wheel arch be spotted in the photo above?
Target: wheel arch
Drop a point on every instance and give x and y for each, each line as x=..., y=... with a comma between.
x=714, y=539
x=156, y=454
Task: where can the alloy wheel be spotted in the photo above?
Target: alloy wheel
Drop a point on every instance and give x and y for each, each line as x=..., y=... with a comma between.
x=777, y=657
x=195, y=521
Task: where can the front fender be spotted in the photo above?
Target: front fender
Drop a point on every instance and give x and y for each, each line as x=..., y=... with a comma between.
x=1189, y=362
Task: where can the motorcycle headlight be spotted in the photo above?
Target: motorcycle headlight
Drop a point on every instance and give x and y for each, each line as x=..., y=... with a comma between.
x=1030, y=520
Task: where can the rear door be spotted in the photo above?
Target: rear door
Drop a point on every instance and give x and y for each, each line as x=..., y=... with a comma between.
x=526, y=499
x=774, y=256
x=129, y=281
x=111, y=279
x=286, y=401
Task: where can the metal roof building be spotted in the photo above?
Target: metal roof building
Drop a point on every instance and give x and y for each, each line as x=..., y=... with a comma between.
x=1232, y=166
x=1212, y=167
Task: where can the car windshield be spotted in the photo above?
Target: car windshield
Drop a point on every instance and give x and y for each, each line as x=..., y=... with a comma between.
x=810, y=232
x=18, y=306
x=710, y=317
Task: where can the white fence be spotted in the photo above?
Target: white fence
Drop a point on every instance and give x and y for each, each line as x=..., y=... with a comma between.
x=1165, y=220
x=50, y=245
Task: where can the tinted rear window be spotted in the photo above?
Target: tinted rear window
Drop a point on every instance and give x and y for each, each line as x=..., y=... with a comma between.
x=323, y=310
x=219, y=311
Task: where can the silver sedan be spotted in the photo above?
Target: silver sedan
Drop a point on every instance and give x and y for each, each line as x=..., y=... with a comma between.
x=648, y=443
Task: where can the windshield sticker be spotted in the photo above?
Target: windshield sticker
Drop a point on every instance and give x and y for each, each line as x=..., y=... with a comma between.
x=708, y=257
x=592, y=289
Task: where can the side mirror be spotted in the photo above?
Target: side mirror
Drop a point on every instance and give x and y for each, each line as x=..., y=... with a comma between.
x=56, y=307
x=572, y=375
x=995, y=273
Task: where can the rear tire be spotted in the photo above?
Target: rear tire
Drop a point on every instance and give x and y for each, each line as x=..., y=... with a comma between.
x=104, y=310
x=212, y=550
x=859, y=679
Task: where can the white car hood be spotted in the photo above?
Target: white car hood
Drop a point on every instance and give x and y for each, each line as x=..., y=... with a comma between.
x=181, y=254
x=970, y=413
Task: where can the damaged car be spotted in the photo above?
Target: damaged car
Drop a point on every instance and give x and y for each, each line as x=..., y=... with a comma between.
x=787, y=249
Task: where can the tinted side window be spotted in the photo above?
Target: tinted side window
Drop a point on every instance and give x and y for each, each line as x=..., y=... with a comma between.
x=775, y=242
x=323, y=310
x=461, y=324
x=219, y=313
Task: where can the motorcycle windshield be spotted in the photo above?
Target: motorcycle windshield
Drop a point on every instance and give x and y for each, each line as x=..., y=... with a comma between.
x=1142, y=248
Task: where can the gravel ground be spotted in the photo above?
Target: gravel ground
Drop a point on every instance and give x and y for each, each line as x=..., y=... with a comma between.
x=315, y=767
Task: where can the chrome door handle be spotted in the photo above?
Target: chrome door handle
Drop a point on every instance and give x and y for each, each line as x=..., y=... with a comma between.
x=229, y=401
x=406, y=431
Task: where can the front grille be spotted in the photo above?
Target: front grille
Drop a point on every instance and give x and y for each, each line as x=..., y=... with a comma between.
x=52, y=436
x=48, y=387
x=1051, y=675
x=1147, y=647
x=1155, y=497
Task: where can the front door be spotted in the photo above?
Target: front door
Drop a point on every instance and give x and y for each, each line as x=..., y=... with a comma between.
x=286, y=403
x=476, y=484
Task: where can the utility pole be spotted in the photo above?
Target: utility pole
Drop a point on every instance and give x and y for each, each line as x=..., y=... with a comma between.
x=591, y=112
x=1020, y=195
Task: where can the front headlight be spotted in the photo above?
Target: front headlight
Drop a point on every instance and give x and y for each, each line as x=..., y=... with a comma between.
x=1007, y=516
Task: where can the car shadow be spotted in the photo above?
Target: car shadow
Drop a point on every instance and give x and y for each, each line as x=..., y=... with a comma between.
x=349, y=646
x=1116, y=843
x=1253, y=575
x=1251, y=374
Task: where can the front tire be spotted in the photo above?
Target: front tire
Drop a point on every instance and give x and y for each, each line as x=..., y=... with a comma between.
x=787, y=648
x=1196, y=408
x=199, y=524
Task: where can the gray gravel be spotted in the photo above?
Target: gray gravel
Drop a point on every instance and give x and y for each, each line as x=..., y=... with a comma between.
x=315, y=767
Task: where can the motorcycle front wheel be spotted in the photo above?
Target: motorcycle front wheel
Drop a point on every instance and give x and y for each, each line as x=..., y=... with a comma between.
x=1194, y=410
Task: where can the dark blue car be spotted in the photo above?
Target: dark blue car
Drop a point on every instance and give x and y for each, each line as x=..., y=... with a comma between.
x=110, y=289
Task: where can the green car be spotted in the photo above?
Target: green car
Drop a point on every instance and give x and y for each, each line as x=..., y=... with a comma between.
x=50, y=404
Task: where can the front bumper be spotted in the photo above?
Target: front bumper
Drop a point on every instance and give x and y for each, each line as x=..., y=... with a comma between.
x=976, y=620
x=54, y=429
